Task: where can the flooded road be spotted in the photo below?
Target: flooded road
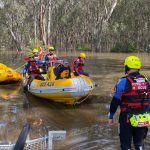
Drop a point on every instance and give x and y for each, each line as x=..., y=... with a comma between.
x=86, y=124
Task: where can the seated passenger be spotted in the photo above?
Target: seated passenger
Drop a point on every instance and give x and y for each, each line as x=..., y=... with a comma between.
x=78, y=64
x=32, y=68
x=51, y=56
x=63, y=70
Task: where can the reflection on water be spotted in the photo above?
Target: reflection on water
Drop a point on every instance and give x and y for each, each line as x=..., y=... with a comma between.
x=86, y=124
x=95, y=137
x=9, y=91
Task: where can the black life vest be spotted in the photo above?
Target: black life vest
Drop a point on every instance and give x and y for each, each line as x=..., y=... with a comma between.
x=136, y=94
x=62, y=71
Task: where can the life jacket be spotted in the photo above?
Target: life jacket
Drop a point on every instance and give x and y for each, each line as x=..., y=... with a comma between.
x=33, y=68
x=136, y=94
x=52, y=57
x=80, y=66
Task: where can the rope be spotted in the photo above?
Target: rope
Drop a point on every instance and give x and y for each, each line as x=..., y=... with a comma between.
x=20, y=67
x=82, y=100
x=79, y=102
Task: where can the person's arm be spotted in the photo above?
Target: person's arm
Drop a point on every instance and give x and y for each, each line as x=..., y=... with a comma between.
x=56, y=57
x=116, y=99
x=76, y=67
x=113, y=107
x=149, y=98
x=46, y=58
x=25, y=71
x=58, y=72
x=40, y=62
x=69, y=72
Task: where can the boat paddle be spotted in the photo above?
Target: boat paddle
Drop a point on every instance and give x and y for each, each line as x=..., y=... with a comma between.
x=22, y=137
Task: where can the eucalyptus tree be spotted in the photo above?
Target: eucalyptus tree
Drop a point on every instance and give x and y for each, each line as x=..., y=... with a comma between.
x=130, y=24
x=81, y=22
x=72, y=24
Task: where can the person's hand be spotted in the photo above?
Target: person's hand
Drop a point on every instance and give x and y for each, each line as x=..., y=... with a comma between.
x=110, y=121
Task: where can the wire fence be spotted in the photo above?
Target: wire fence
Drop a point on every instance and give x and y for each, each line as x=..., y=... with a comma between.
x=44, y=143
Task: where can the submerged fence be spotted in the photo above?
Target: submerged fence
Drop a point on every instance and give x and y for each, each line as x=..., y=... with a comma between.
x=44, y=143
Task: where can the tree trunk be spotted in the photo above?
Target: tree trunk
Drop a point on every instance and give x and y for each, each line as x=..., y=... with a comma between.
x=18, y=46
x=34, y=20
x=42, y=23
x=49, y=22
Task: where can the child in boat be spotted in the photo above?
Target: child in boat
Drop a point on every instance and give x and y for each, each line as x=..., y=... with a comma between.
x=63, y=70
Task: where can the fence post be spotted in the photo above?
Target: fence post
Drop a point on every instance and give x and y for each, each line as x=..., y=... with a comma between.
x=55, y=135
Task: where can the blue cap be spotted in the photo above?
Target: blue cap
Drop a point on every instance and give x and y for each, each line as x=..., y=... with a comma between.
x=65, y=61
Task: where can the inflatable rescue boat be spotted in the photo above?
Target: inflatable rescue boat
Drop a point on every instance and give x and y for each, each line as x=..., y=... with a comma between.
x=70, y=91
x=8, y=75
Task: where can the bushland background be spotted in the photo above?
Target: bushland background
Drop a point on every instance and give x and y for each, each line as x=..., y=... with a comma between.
x=70, y=26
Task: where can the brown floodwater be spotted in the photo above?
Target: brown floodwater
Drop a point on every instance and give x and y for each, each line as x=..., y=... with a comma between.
x=86, y=124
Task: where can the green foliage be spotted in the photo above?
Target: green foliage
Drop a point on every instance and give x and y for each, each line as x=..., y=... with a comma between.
x=125, y=47
x=83, y=47
x=71, y=21
x=130, y=21
x=34, y=44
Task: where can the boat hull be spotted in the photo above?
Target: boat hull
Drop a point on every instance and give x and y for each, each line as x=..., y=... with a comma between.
x=8, y=75
x=69, y=91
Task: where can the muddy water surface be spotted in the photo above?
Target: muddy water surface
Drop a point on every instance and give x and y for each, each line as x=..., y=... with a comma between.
x=86, y=124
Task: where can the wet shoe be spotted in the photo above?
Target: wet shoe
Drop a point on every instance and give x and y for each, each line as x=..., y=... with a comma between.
x=26, y=88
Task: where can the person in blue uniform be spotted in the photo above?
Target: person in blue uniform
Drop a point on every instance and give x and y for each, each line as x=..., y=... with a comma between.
x=32, y=68
x=132, y=94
